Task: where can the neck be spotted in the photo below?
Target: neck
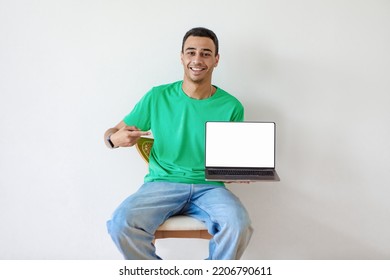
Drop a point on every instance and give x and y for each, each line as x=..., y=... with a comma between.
x=198, y=90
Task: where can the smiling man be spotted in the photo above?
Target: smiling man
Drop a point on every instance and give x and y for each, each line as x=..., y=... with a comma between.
x=176, y=113
x=199, y=57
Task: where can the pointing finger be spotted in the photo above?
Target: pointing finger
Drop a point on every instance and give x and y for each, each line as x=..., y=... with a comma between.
x=130, y=128
x=138, y=133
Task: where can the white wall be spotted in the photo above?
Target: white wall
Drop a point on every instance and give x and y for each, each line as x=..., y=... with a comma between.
x=320, y=69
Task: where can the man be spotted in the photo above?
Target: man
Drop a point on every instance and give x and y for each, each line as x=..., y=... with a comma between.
x=176, y=114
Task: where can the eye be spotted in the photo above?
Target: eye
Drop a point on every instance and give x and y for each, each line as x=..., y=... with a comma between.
x=206, y=54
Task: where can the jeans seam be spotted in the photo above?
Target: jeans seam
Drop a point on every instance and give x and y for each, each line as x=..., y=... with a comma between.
x=177, y=211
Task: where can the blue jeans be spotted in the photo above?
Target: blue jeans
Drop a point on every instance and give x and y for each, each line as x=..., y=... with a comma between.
x=135, y=221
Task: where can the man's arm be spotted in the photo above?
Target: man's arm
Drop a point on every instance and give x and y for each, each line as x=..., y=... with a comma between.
x=123, y=135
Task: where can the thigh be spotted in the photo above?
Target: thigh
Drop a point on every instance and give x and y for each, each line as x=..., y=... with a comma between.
x=218, y=206
x=152, y=204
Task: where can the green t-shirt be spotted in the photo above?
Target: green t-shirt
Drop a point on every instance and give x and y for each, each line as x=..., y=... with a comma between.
x=178, y=126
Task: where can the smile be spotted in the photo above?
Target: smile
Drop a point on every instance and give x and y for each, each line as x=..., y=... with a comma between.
x=197, y=69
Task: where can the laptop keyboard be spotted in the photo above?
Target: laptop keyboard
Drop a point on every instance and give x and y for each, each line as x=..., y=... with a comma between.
x=241, y=172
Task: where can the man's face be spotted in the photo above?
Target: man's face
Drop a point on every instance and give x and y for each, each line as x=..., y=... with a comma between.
x=199, y=59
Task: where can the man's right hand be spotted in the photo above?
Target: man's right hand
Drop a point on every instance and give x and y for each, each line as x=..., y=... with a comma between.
x=123, y=135
x=127, y=136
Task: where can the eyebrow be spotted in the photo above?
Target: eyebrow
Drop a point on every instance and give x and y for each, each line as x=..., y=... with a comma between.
x=192, y=48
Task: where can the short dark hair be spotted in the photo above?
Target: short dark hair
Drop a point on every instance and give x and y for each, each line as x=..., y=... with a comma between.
x=201, y=32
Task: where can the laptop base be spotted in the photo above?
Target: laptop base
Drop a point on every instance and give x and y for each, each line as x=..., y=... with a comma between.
x=228, y=175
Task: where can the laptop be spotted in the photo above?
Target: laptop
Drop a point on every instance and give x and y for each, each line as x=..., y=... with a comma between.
x=240, y=151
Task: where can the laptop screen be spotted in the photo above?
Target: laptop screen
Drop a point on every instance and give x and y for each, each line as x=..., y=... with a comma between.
x=240, y=144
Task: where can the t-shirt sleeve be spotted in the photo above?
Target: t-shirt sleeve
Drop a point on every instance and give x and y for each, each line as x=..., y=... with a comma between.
x=140, y=116
x=238, y=113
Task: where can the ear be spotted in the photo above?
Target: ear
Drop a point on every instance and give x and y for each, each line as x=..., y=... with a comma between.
x=216, y=60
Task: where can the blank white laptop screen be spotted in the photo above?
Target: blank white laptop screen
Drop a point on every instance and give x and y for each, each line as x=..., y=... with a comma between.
x=240, y=144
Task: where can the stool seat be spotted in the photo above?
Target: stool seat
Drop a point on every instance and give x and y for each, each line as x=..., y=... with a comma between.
x=182, y=222
x=182, y=227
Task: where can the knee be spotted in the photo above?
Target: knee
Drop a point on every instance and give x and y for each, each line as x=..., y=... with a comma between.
x=120, y=222
x=115, y=227
x=238, y=223
x=240, y=218
x=242, y=226
x=241, y=230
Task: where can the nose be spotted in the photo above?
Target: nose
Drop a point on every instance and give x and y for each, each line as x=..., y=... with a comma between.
x=197, y=58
